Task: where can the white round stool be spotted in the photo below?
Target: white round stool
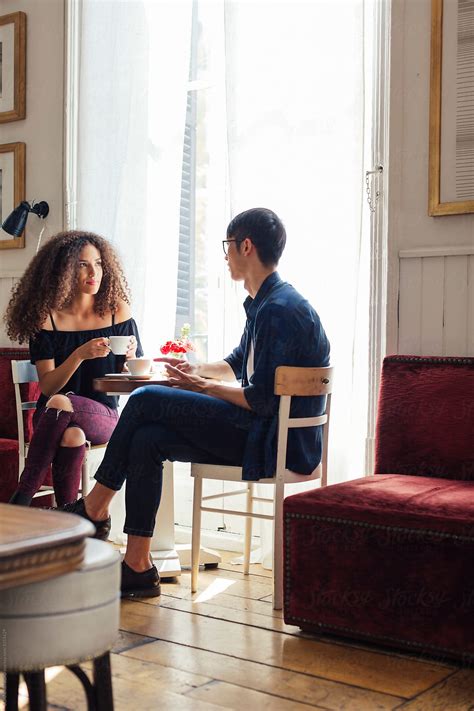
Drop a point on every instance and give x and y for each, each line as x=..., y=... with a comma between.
x=62, y=622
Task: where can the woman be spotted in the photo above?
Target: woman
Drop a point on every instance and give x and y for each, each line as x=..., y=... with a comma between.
x=71, y=299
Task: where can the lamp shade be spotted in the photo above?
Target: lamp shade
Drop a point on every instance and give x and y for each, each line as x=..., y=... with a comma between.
x=16, y=220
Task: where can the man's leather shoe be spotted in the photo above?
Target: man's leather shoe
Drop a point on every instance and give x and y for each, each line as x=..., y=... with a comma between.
x=146, y=584
x=102, y=528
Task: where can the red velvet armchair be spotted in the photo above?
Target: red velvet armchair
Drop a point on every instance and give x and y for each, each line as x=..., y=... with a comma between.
x=389, y=558
x=8, y=423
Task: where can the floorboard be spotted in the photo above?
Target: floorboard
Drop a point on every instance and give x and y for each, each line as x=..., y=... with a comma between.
x=389, y=674
x=225, y=647
x=304, y=688
x=455, y=693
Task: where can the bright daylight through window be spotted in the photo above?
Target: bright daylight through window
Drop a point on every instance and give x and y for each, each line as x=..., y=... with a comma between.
x=204, y=109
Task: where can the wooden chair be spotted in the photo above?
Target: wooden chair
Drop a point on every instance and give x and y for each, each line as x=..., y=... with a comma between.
x=289, y=382
x=23, y=371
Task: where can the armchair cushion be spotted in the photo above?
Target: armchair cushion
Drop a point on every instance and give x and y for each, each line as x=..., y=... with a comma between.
x=440, y=505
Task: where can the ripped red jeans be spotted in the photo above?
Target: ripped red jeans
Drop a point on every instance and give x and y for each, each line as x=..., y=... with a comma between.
x=95, y=419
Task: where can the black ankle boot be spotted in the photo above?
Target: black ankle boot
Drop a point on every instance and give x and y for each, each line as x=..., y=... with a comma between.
x=102, y=528
x=19, y=498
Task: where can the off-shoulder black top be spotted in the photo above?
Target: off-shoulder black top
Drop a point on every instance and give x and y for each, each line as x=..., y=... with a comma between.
x=60, y=344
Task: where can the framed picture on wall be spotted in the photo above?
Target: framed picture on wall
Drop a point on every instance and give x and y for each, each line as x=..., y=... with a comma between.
x=12, y=67
x=12, y=188
x=451, y=160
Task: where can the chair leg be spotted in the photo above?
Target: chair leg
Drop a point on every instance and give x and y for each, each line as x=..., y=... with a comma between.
x=89, y=688
x=196, y=533
x=278, y=547
x=85, y=473
x=248, y=529
x=12, y=682
x=103, y=683
x=36, y=690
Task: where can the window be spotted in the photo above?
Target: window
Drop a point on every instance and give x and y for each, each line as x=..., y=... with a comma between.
x=218, y=107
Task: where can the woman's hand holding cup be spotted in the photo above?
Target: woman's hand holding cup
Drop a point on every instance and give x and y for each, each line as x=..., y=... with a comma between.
x=95, y=348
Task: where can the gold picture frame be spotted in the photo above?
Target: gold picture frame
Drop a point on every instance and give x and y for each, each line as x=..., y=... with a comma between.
x=12, y=67
x=12, y=188
x=451, y=160
x=451, y=144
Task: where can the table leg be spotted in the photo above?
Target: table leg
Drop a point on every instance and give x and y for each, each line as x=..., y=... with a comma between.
x=163, y=549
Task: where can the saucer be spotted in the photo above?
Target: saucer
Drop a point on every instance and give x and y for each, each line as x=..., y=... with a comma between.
x=128, y=376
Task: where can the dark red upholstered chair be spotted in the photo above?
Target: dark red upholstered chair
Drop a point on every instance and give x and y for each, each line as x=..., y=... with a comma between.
x=389, y=558
x=8, y=424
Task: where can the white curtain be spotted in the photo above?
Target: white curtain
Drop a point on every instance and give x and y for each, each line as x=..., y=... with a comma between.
x=286, y=127
x=296, y=126
x=133, y=74
x=296, y=107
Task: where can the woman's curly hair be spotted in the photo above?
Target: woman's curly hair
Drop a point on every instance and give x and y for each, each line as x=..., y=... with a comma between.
x=49, y=283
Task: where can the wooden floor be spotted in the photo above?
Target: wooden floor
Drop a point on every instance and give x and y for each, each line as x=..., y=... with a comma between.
x=225, y=647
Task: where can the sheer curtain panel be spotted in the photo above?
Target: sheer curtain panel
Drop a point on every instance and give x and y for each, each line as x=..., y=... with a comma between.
x=280, y=118
x=298, y=142
x=133, y=66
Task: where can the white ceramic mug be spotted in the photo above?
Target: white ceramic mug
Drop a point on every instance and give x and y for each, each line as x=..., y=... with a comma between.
x=139, y=366
x=119, y=344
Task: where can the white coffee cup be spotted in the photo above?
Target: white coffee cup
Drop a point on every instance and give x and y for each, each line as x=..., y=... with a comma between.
x=139, y=366
x=119, y=344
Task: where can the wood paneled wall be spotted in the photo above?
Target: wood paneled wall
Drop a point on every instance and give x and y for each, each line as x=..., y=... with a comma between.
x=436, y=301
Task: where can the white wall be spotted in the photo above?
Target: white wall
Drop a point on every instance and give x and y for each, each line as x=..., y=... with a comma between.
x=41, y=130
x=409, y=225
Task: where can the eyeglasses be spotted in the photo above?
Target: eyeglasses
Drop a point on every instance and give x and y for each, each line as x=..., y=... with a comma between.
x=225, y=245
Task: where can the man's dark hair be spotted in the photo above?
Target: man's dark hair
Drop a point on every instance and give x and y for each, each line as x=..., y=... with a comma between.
x=264, y=228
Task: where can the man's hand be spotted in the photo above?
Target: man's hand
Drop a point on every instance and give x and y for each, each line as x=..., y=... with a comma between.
x=178, y=378
x=177, y=363
x=184, y=378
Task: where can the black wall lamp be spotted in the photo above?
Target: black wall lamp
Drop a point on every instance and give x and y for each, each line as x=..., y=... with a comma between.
x=16, y=220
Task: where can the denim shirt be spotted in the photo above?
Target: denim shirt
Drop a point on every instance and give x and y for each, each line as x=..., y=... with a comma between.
x=285, y=330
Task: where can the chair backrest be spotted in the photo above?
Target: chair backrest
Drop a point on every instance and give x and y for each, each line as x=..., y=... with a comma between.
x=425, y=420
x=23, y=371
x=302, y=382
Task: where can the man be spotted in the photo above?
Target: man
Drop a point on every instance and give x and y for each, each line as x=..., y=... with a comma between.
x=200, y=418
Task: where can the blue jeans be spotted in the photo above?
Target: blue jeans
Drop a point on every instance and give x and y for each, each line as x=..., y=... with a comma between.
x=161, y=423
